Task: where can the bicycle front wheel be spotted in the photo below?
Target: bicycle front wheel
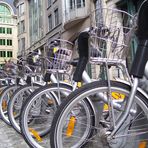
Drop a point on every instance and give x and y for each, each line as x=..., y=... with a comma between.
x=38, y=111
x=66, y=133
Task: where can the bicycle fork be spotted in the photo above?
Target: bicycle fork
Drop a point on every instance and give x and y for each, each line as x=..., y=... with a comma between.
x=128, y=107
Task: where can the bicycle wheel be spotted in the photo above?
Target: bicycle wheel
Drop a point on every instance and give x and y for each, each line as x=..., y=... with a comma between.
x=131, y=134
x=16, y=102
x=2, y=87
x=5, y=97
x=38, y=111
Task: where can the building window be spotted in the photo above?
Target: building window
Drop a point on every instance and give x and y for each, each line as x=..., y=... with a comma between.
x=56, y=17
x=72, y=4
x=4, y=10
x=2, y=30
x=9, y=30
x=80, y=3
x=2, y=42
x=5, y=14
x=36, y=20
x=18, y=26
x=19, y=45
x=2, y=53
x=50, y=22
x=49, y=3
x=76, y=4
x=9, y=54
x=9, y=42
x=21, y=9
x=22, y=26
x=23, y=43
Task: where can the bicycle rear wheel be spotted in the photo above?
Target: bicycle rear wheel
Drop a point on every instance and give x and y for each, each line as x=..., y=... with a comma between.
x=131, y=134
x=16, y=102
x=6, y=95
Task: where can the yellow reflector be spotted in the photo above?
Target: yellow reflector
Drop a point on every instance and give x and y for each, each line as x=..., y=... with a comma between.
x=55, y=49
x=35, y=134
x=142, y=144
x=105, y=107
x=115, y=96
x=14, y=113
x=66, y=81
x=118, y=96
x=79, y=84
x=71, y=126
x=4, y=105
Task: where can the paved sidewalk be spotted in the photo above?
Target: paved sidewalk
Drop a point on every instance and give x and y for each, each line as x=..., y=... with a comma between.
x=9, y=138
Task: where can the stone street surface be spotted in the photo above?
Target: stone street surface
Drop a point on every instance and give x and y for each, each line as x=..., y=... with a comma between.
x=9, y=138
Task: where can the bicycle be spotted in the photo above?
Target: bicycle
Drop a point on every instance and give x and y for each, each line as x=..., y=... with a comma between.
x=18, y=81
x=35, y=125
x=10, y=77
x=34, y=80
x=119, y=122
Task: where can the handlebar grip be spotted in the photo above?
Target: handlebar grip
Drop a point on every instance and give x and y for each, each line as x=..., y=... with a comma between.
x=142, y=31
x=77, y=77
x=141, y=57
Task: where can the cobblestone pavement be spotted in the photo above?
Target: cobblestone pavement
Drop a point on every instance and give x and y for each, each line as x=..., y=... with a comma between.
x=9, y=138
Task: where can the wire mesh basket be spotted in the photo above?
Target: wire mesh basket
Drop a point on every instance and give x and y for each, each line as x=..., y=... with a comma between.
x=59, y=55
x=110, y=40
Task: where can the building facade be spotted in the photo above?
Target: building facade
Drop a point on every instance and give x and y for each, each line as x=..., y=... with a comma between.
x=41, y=21
x=8, y=33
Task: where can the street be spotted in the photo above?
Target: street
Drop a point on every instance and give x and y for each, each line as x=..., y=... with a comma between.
x=9, y=138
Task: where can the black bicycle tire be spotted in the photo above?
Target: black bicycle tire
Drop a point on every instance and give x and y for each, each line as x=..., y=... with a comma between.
x=12, y=100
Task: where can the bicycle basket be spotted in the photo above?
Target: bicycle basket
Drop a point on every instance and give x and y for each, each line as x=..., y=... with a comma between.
x=59, y=56
x=110, y=39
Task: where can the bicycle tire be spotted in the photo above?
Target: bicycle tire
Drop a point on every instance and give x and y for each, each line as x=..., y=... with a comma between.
x=4, y=102
x=16, y=102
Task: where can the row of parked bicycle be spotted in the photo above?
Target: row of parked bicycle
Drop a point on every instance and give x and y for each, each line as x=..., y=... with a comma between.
x=82, y=112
